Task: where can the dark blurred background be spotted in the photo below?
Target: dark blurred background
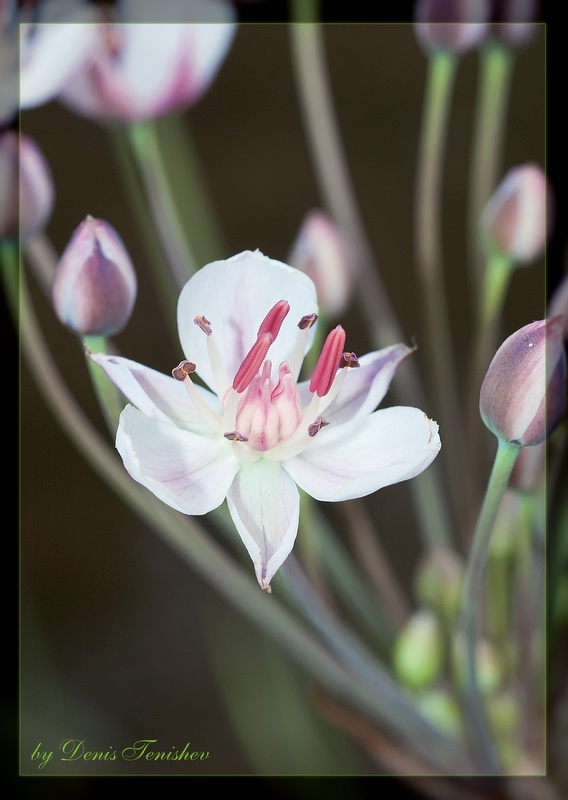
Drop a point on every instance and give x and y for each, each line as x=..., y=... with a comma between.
x=120, y=639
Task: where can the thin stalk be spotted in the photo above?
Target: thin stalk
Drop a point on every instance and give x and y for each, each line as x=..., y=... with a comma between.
x=472, y=591
x=375, y=561
x=190, y=194
x=143, y=139
x=184, y=534
x=109, y=397
x=496, y=66
x=143, y=218
x=401, y=715
x=439, y=88
x=496, y=281
x=335, y=186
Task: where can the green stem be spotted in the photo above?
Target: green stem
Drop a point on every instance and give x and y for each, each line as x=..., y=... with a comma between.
x=496, y=281
x=187, y=181
x=143, y=139
x=440, y=81
x=401, y=715
x=472, y=590
x=496, y=66
x=109, y=397
x=336, y=189
x=134, y=190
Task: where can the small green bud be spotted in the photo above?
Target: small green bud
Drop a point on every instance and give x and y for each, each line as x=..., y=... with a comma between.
x=438, y=582
x=489, y=669
x=418, y=651
x=441, y=709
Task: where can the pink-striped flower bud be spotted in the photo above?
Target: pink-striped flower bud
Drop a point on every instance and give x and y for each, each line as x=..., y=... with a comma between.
x=523, y=394
x=26, y=186
x=321, y=251
x=517, y=219
x=451, y=25
x=95, y=283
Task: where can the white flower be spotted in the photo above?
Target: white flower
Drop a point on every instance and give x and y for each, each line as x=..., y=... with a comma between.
x=256, y=432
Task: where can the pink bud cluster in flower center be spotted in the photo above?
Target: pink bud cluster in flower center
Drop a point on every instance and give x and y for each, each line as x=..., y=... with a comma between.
x=263, y=417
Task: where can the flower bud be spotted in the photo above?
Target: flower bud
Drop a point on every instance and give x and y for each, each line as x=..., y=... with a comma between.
x=439, y=580
x=489, y=669
x=522, y=396
x=95, y=285
x=451, y=25
x=514, y=20
x=517, y=219
x=558, y=306
x=321, y=251
x=418, y=652
x=441, y=709
x=120, y=84
x=26, y=186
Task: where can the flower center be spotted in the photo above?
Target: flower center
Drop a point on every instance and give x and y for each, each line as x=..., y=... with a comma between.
x=263, y=417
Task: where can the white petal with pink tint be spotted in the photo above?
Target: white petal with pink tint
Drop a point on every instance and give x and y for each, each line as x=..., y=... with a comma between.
x=188, y=471
x=355, y=459
x=265, y=506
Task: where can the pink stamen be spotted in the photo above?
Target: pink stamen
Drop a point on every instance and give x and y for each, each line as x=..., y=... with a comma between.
x=328, y=362
x=252, y=362
x=273, y=320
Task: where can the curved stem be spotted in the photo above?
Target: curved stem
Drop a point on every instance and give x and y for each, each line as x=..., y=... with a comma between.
x=496, y=66
x=472, y=591
x=143, y=139
x=496, y=281
x=440, y=81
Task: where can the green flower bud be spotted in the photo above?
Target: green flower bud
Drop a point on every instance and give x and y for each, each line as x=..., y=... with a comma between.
x=418, y=651
x=441, y=709
x=489, y=669
x=438, y=582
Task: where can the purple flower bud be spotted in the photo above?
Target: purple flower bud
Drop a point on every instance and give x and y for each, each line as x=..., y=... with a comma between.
x=320, y=250
x=26, y=186
x=558, y=306
x=514, y=20
x=95, y=285
x=517, y=219
x=452, y=25
x=523, y=395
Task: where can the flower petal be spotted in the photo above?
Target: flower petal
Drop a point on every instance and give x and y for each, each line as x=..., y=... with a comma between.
x=187, y=471
x=235, y=295
x=158, y=396
x=364, y=386
x=265, y=505
x=51, y=55
x=355, y=459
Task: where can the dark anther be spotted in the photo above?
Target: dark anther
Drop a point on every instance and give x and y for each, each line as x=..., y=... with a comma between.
x=183, y=369
x=307, y=321
x=349, y=360
x=316, y=426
